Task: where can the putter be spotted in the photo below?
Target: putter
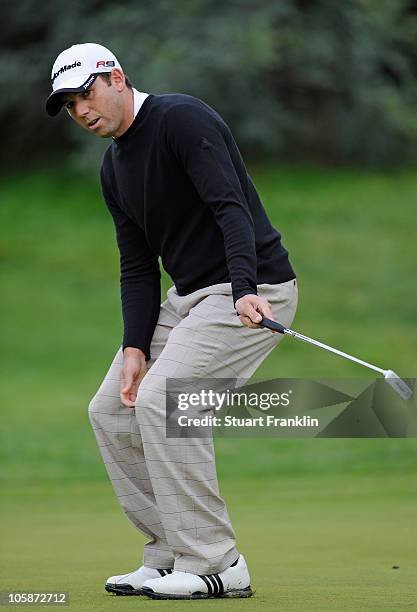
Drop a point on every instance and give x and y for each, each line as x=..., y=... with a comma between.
x=391, y=377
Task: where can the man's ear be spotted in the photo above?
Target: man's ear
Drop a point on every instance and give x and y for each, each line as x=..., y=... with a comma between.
x=117, y=79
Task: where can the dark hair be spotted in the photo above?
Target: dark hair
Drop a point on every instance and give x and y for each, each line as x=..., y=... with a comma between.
x=106, y=77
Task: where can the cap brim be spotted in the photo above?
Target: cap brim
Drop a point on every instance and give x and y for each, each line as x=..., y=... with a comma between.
x=54, y=102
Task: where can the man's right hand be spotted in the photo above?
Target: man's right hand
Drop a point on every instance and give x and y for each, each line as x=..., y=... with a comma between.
x=133, y=370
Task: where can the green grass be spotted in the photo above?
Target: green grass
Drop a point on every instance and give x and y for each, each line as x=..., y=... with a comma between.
x=321, y=521
x=312, y=544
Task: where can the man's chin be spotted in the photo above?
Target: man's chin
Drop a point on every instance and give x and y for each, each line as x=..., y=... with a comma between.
x=102, y=133
x=102, y=130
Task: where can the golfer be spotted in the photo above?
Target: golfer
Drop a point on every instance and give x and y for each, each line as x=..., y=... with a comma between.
x=177, y=188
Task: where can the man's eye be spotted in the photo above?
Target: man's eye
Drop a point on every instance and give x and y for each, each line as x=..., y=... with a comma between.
x=86, y=93
x=69, y=105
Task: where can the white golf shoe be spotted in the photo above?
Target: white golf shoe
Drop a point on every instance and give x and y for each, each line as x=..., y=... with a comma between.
x=232, y=582
x=131, y=584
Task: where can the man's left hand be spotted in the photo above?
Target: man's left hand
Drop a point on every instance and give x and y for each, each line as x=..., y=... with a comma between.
x=251, y=309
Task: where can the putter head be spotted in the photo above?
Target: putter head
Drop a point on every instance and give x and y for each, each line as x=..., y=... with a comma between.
x=398, y=384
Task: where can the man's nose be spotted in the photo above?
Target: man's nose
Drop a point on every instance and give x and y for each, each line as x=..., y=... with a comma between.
x=81, y=108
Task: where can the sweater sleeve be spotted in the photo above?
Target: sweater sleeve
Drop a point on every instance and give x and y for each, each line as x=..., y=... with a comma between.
x=198, y=140
x=140, y=284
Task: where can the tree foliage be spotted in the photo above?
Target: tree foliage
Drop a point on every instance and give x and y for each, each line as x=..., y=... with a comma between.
x=315, y=79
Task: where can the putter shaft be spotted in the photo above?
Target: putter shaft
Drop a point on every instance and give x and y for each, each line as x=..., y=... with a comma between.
x=274, y=326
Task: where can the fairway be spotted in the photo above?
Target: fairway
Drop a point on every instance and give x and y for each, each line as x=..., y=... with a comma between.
x=320, y=522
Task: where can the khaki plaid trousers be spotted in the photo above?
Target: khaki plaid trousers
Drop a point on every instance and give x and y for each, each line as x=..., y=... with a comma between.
x=166, y=486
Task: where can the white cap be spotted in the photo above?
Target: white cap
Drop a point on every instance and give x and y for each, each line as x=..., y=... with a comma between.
x=76, y=69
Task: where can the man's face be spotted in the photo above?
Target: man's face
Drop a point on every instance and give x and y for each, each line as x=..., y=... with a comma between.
x=101, y=110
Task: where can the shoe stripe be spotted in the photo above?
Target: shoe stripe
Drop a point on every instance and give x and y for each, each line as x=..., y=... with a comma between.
x=214, y=583
x=219, y=580
x=164, y=572
x=208, y=584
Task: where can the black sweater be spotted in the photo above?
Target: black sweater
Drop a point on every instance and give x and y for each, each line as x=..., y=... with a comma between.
x=177, y=187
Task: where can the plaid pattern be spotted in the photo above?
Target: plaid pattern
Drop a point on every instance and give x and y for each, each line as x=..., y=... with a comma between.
x=168, y=487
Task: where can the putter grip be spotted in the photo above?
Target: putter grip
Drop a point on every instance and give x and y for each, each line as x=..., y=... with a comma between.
x=272, y=325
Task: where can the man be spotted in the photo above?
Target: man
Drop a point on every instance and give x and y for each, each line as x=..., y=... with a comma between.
x=176, y=187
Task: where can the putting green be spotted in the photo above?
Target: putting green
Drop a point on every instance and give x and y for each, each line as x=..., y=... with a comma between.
x=321, y=522
x=312, y=543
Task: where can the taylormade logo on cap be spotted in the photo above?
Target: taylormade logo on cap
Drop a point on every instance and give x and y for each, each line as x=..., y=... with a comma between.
x=99, y=65
x=63, y=69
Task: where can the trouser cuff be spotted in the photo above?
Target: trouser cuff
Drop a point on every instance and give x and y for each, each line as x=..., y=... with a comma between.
x=193, y=565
